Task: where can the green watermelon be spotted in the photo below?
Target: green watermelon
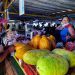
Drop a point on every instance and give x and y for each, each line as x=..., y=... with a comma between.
x=31, y=57
x=70, y=56
x=52, y=64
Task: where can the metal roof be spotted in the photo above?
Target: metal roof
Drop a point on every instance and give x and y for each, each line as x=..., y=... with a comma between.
x=47, y=7
x=42, y=7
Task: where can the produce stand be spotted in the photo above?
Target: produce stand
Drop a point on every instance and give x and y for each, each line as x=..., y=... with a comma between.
x=37, y=29
x=21, y=71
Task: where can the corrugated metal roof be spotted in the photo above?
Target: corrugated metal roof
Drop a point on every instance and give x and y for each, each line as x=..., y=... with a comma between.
x=47, y=6
x=43, y=7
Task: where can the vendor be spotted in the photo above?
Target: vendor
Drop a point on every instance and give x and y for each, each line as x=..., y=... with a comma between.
x=66, y=30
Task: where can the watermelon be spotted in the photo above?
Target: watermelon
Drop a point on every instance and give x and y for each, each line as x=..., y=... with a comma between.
x=52, y=64
x=31, y=57
x=70, y=56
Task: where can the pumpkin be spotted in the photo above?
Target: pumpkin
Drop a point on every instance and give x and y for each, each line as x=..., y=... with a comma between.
x=52, y=38
x=52, y=64
x=35, y=41
x=44, y=43
x=53, y=43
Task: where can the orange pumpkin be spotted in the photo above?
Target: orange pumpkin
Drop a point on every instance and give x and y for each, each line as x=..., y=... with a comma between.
x=53, y=43
x=52, y=38
x=36, y=41
x=44, y=43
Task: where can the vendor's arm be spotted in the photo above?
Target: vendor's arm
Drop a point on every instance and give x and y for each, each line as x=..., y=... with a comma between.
x=71, y=31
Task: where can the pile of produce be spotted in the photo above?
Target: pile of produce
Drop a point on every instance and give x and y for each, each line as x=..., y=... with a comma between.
x=43, y=42
x=46, y=62
x=41, y=53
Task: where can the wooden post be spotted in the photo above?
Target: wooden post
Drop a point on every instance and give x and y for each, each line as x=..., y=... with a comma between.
x=5, y=8
x=5, y=11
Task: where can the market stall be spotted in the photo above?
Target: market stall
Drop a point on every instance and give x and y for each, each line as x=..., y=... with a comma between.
x=37, y=37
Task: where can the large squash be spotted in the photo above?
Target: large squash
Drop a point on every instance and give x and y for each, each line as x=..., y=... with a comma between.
x=35, y=41
x=52, y=38
x=53, y=43
x=44, y=43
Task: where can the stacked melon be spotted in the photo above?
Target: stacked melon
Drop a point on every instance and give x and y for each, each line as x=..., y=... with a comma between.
x=46, y=63
x=56, y=62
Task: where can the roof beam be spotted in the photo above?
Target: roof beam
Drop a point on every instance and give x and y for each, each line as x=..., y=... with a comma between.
x=10, y=3
x=33, y=15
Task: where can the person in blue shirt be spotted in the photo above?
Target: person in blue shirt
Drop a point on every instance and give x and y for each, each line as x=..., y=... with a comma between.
x=66, y=30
